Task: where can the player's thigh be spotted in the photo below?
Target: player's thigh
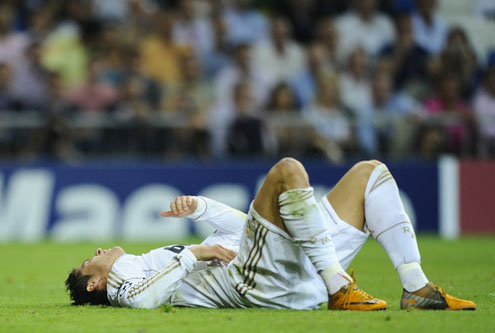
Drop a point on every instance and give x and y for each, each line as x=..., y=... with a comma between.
x=287, y=174
x=347, y=197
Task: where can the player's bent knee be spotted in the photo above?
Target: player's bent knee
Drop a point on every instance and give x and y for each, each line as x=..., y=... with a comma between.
x=375, y=162
x=289, y=170
x=362, y=170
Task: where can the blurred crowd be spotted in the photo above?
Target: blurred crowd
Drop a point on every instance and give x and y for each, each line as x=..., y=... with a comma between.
x=211, y=79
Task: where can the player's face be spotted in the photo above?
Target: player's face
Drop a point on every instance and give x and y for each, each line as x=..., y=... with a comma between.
x=100, y=260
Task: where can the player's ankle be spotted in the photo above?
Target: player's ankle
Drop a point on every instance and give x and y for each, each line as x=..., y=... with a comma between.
x=412, y=276
x=335, y=277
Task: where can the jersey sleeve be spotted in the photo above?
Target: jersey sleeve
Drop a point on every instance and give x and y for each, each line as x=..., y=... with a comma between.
x=151, y=292
x=223, y=218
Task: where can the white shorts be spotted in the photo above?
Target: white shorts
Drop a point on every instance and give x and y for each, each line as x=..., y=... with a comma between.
x=271, y=270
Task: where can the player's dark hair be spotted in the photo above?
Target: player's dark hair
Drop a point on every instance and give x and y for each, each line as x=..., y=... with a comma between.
x=76, y=285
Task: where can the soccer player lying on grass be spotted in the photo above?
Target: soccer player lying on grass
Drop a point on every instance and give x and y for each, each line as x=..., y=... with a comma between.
x=292, y=251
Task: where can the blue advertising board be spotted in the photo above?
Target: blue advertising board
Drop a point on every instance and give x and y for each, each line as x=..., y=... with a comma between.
x=123, y=200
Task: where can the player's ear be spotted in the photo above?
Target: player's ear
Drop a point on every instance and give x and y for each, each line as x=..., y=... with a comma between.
x=92, y=283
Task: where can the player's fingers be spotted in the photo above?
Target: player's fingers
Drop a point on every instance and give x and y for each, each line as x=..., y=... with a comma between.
x=178, y=202
x=167, y=213
x=185, y=206
x=189, y=200
x=173, y=207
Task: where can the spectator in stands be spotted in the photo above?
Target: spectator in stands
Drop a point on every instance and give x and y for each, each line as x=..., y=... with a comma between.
x=244, y=23
x=8, y=102
x=332, y=131
x=327, y=35
x=241, y=69
x=112, y=55
x=192, y=30
x=305, y=84
x=354, y=83
x=282, y=99
x=57, y=102
x=111, y=10
x=93, y=95
x=63, y=51
x=40, y=24
x=160, y=54
x=430, y=31
x=280, y=57
x=31, y=86
x=246, y=133
x=386, y=128
x=459, y=59
x=190, y=102
x=406, y=60
x=219, y=56
x=365, y=28
x=448, y=109
x=151, y=92
x=13, y=47
x=140, y=22
x=302, y=15
x=284, y=120
x=484, y=108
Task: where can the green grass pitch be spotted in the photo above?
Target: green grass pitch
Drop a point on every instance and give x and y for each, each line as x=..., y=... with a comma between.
x=32, y=295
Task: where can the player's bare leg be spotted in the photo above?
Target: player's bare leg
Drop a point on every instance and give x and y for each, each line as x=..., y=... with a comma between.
x=287, y=200
x=368, y=194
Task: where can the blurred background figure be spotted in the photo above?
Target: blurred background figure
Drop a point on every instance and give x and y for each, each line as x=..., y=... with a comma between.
x=406, y=60
x=355, y=83
x=305, y=83
x=332, y=134
x=282, y=113
x=450, y=117
x=280, y=56
x=430, y=31
x=484, y=108
x=387, y=127
x=7, y=97
x=245, y=24
x=364, y=27
x=161, y=54
x=94, y=94
x=246, y=135
x=459, y=59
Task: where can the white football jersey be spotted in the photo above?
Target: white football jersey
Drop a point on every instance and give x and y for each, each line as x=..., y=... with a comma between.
x=149, y=280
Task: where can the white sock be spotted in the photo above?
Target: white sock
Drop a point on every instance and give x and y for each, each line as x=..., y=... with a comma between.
x=303, y=219
x=391, y=227
x=412, y=276
x=335, y=278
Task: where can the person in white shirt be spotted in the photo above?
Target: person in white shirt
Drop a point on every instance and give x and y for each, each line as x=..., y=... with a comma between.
x=280, y=57
x=365, y=28
x=292, y=251
x=430, y=31
x=354, y=83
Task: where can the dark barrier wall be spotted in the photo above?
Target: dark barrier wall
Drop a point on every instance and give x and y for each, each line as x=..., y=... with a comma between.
x=123, y=200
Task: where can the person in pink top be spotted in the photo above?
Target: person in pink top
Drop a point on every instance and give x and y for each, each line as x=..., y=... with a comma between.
x=447, y=109
x=93, y=95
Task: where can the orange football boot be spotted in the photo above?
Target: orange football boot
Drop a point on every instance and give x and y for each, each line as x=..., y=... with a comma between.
x=352, y=298
x=432, y=297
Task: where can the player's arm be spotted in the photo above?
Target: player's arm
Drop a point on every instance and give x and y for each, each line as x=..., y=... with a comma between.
x=156, y=290
x=222, y=217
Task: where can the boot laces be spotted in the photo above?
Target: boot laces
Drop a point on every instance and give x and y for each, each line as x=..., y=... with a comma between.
x=352, y=287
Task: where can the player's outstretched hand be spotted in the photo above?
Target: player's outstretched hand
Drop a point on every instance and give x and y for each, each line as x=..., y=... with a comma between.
x=181, y=206
x=210, y=252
